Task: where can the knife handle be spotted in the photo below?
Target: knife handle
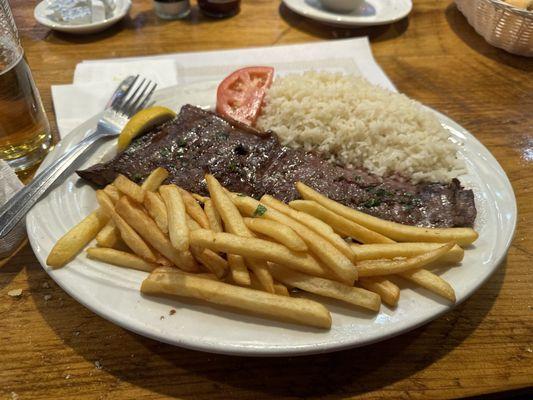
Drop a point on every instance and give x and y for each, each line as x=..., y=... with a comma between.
x=19, y=205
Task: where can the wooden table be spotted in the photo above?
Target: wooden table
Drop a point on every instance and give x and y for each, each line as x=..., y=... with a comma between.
x=52, y=347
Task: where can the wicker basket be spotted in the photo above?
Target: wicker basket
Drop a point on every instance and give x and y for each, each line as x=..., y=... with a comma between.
x=500, y=24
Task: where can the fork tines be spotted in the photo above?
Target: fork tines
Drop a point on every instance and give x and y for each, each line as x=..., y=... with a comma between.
x=136, y=97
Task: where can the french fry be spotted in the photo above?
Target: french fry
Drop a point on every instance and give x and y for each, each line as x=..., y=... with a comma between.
x=239, y=270
x=389, y=267
x=279, y=288
x=164, y=270
x=72, y=242
x=112, y=192
x=215, y=222
x=393, y=230
x=261, y=271
x=127, y=233
x=208, y=258
x=339, y=264
x=200, y=198
x=339, y=224
x=324, y=287
x=120, y=258
x=431, y=282
x=171, y=270
x=133, y=240
x=231, y=216
x=315, y=224
x=109, y=236
x=129, y=188
x=154, y=180
x=234, y=223
x=206, y=275
x=279, y=232
x=162, y=261
x=193, y=208
x=156, y=208
x=392, y=250
x=105, y=203
x=258, y=248
x=211, y=260
x=300, y=311
x=147, y=228
x=177, y=220
x=388, y=291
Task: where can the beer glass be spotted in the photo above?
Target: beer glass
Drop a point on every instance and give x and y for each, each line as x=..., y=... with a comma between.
x=24, y=130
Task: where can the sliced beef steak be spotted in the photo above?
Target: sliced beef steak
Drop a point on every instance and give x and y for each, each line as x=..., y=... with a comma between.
x=199, y=142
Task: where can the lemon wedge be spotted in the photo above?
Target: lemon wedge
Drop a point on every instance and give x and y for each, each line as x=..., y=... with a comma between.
x=143, y=121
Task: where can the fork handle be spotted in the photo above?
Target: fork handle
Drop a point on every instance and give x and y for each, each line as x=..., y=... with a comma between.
x=19, y=205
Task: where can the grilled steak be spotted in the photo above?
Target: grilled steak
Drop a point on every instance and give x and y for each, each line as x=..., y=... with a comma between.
x=199, y=142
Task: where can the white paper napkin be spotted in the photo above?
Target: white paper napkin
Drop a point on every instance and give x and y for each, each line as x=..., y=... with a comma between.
x=9, y=185
x=76, y=103
x=94, y=84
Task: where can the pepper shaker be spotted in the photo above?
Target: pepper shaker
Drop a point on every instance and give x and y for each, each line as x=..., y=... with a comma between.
x=219, y=8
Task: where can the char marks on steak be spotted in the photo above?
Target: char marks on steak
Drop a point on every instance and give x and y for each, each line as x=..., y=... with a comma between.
x=197, y=142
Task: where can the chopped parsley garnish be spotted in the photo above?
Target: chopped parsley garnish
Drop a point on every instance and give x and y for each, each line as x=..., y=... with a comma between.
x=164, y=152
x=379, y=192
x=232, y=167
x=382, y=192
x=137, y=178
x=182, y=142
x=372, y=203
x=260, y=210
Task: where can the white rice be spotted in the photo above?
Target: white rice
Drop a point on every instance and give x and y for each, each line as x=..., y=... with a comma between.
x=354, y=123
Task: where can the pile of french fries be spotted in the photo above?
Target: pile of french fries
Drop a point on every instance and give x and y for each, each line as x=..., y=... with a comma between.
x=254, y=256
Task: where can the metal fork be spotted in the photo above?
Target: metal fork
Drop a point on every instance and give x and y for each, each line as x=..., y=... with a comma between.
x=120, y=109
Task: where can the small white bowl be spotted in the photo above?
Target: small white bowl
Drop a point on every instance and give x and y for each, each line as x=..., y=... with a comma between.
x=367, y=12
x=41, y=11
x=342, y=6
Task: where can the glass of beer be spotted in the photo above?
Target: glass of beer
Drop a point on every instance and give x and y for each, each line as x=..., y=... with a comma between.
x=24, y=130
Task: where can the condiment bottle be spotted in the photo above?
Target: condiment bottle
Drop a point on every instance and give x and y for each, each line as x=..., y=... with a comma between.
x=172, y=9
x=219, y=8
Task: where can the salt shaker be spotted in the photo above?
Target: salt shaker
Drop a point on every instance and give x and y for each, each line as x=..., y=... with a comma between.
x=172, y=9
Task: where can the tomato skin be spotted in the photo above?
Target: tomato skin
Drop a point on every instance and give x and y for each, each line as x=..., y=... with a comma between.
x=240, y=95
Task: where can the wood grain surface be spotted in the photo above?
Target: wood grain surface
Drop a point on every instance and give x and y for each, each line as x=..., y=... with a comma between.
x=53, y=348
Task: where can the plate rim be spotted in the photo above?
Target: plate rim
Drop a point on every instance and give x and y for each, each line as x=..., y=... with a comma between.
x=270, y=350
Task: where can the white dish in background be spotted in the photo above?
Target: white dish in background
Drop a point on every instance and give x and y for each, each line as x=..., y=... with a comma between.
x=113, y=292
x=370, y=12
x=341, y=6
x=41, y=15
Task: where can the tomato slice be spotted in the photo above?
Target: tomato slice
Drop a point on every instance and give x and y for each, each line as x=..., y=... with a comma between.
x=240, y=95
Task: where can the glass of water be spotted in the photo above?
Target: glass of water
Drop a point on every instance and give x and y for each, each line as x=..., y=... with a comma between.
x=24, y=129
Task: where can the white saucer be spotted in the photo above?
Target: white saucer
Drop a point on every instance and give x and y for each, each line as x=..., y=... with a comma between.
x=40, y=14
x=371, y=12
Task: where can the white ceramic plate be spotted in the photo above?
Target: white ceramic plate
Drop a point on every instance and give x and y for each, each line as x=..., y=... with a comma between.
x=113, y=292
x=369, y=12
x=41, y=15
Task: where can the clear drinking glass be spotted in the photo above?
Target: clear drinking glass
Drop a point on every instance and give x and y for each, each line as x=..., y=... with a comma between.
x=24, y=129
